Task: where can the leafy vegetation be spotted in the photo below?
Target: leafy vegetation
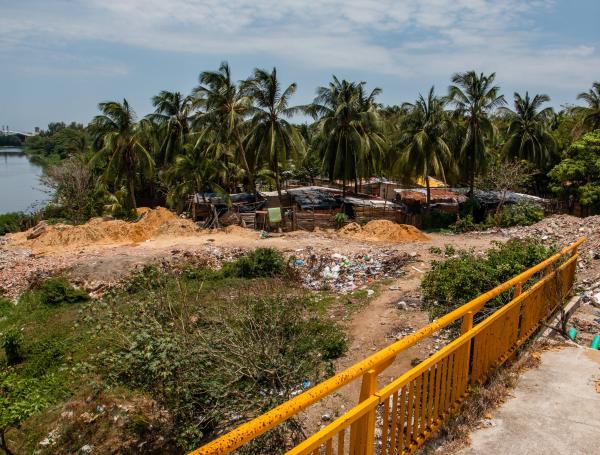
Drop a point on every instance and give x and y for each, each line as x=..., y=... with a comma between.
x=201, y=344
x=578, y=174
x=15, y=222
x=459, y=279
x=262, y=262
x=57, y=291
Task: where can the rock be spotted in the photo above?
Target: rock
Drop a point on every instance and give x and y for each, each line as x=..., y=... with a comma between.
x=86, y=448
x=402, y=305
x=326, y=417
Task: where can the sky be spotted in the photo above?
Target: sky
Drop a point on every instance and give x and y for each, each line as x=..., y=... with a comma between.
x=60, y=58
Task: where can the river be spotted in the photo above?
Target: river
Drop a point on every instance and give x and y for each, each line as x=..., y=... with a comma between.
x=20, y=188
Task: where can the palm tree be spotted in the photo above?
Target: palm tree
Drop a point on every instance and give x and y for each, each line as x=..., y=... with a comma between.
x=424, y=150
x=590, y=114
x=198, y=170
x=474, y=97
x=117, y=136
x=172, y=115
x=271, y=136
x=349, y=129
x=225, y=109
x=528, y=135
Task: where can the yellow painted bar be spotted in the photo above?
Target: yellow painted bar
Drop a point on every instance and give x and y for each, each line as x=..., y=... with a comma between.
x=337, y=425
x=381, y=360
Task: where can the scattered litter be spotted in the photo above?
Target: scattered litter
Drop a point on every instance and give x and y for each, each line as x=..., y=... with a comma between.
x=345, y=274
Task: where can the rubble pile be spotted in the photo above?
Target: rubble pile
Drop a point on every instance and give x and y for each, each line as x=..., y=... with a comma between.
x=344, y=274
x=563, y=230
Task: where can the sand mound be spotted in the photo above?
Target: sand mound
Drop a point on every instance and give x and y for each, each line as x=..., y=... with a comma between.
x=241, y=231
x=153, y=223
x=383, y=231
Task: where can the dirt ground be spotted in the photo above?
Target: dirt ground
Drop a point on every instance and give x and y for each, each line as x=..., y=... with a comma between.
x=391, y=313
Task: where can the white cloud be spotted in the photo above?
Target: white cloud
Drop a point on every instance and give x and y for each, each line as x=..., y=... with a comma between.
x=429, y=37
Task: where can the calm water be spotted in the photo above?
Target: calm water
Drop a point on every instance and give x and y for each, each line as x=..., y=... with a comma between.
x=20, y=188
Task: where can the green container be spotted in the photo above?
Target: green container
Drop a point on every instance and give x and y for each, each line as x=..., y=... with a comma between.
x=595, y=342
x=572, y=333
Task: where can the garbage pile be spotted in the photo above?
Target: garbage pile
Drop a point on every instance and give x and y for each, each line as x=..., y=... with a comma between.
x=344, y=274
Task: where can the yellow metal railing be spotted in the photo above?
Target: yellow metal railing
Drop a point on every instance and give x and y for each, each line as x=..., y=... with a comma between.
x=398, y=418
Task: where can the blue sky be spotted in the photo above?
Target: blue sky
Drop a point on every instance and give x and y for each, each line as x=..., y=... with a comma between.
x=59, y=58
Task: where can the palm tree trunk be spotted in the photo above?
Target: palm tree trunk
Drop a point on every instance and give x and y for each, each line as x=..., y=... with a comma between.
x=278, y=181
x=244, y=160
x=131, y=186
x=472, y=182
x=428, y=198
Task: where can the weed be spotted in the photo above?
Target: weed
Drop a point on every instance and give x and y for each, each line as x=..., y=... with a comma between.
x=56, y=291
x=5, y=307
x=206, y=357
x=449, y=250
x=262, y=262
x=13, y=349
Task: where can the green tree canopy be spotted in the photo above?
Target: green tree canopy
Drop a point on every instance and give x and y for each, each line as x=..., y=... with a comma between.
x=474, y=97
x=272, y=138
x=423, y=149
x=579, y=172
x=118, y=138
x=528, y=131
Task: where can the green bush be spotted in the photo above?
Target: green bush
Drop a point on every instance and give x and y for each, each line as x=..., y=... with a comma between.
x=56, y=291
x=206, y=361
x=148, y=277
x=466, y=224
x=262, y=262
x=22, y=397
x=523, y=213
x=12, y=344
x=5, y=307
x=457, y=280
x=42, y=356
x=15, y=222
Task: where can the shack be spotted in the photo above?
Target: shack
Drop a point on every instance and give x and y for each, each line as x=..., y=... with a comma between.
x=488, y=200
x=314, y=206
x=442, y=200
x=214, y=210
x=367, y=209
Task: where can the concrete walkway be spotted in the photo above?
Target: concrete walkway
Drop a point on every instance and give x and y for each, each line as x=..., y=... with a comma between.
x=555, y=409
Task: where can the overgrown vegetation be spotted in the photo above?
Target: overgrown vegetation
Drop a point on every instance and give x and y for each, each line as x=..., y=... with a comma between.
x=457, y=280
x=210, y=348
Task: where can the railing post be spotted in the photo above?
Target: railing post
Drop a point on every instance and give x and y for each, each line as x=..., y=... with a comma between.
x=467, y=323
x=362, y=432
x=518, y=289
